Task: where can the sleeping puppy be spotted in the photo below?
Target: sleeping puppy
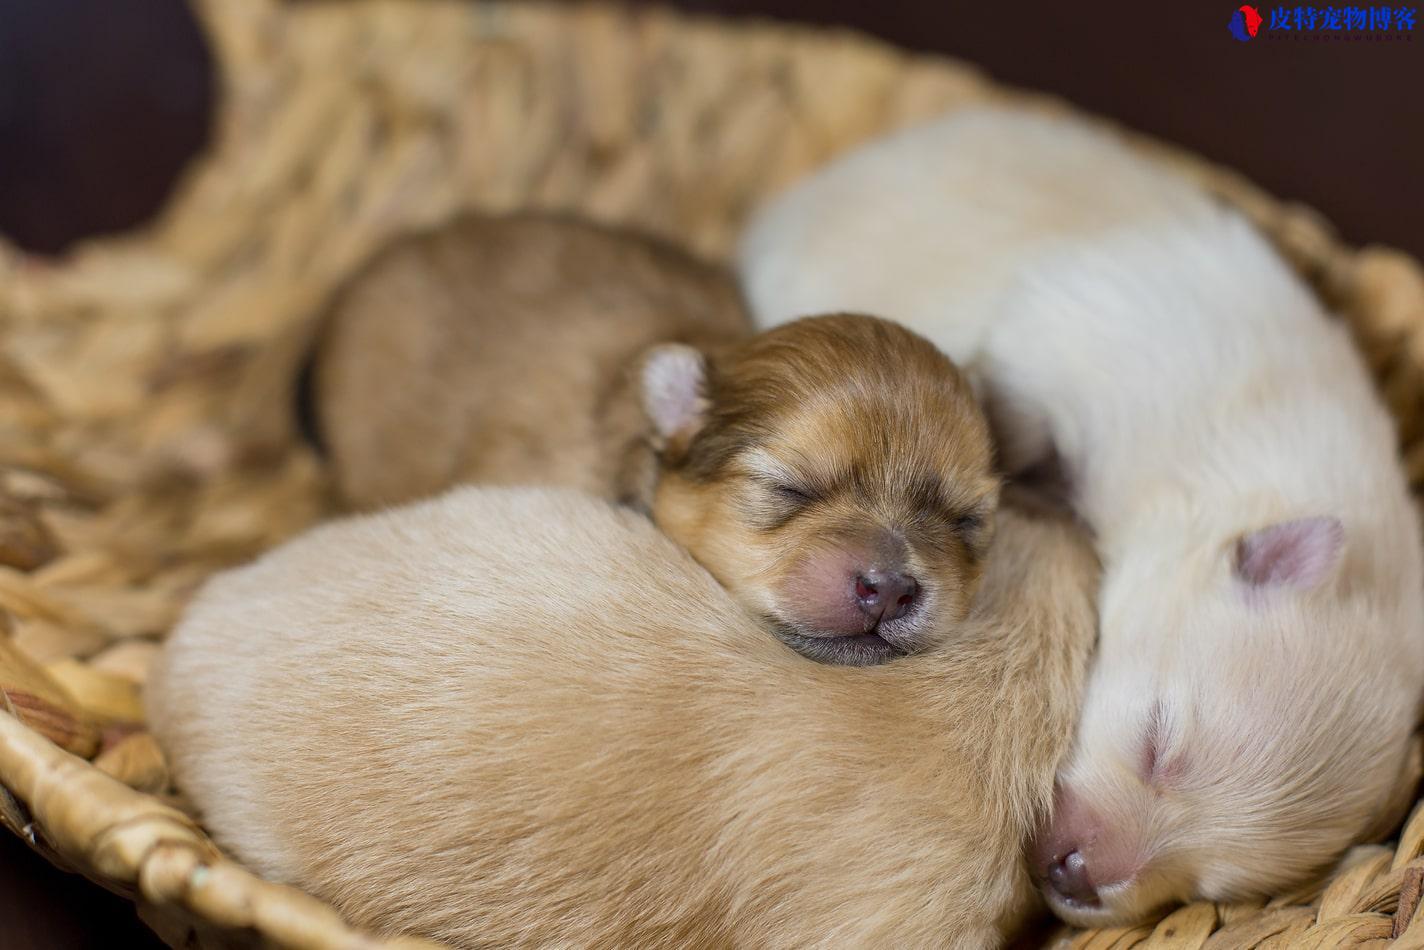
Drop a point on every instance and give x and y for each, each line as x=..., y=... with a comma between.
x=1262, y=645
x=835, y=474
x=499, y=350
x=525, y=718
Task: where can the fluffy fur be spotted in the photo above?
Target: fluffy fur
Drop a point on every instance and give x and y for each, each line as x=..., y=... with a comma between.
x=526, y=718
x=1262, y=640
x=823, y=453
x=835, y=474
x=500, y=350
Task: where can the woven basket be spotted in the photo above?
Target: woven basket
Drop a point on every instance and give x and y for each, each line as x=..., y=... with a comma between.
x=144, y=431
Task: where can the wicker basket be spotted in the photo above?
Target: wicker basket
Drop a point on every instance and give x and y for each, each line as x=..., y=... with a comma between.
x=144, y=382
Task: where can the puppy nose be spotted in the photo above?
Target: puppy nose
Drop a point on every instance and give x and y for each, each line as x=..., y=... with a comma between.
x=1068, y=876
x=885, y=595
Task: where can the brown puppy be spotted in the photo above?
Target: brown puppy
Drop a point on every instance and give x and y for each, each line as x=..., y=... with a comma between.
x=499, y=350
x=381, y=713
x=834, y=473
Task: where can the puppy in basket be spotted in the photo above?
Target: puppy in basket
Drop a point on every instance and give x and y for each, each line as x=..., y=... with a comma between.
x=526, y=718
x=1261, y=655
x=835, y=473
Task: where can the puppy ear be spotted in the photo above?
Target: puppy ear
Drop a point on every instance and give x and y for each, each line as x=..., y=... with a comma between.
x=1300, y=553
x=674, y=386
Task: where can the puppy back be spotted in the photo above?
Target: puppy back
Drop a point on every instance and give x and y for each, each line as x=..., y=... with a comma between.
x=498, y=350
x=467, y=717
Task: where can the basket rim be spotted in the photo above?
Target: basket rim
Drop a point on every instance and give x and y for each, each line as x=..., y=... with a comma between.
x=73, y=811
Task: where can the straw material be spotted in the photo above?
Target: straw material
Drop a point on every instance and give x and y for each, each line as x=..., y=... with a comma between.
x=145, y=438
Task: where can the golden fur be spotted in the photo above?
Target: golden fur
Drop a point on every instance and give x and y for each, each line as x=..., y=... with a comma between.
x=498, y=350
x=795, y=464
x=525, y=718
x=1259, y=667
x=830, y=437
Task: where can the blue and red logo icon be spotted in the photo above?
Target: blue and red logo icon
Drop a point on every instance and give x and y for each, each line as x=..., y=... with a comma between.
x=1245, y=23
x=1373, y=24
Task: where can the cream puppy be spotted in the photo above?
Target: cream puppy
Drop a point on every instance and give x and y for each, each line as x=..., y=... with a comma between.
x=1261, y=648
x=524, y=717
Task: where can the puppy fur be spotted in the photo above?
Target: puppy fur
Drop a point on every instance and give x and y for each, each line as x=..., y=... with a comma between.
x=1262, y=641
x=524, y=717
x=828, y=450
x=499, y=350
x=835, y=473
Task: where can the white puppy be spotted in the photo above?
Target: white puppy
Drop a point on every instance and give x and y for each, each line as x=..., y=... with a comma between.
x=526, y=718
x=1261, y=646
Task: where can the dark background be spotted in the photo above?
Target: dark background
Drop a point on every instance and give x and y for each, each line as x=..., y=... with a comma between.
x=102, y=102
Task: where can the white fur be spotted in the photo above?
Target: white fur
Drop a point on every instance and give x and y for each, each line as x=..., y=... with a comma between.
x=1195, y=392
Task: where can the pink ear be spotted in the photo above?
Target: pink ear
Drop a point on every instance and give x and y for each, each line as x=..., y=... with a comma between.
x=1300, y=553
x=674, y=376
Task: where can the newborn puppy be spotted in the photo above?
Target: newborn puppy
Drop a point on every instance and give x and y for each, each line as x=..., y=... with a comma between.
x=499, y=350
x=1262, y=641
x=835, y=474
x=600, y=748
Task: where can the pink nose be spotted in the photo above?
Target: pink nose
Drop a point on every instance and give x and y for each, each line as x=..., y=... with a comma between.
x=1078, y=853
x=1067, y=875
x=885, y=595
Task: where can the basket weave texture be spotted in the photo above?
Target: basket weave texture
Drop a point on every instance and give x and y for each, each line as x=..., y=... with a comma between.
x=145, y=438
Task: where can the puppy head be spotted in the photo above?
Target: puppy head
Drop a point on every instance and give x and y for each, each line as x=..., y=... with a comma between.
x=1239, y=732
x=834, y=473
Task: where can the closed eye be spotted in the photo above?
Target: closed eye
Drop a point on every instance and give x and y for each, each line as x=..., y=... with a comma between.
x=1151, y=742
x=793, y=494
x=1148, y=766
x=968, y=523
x=1160, y=768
